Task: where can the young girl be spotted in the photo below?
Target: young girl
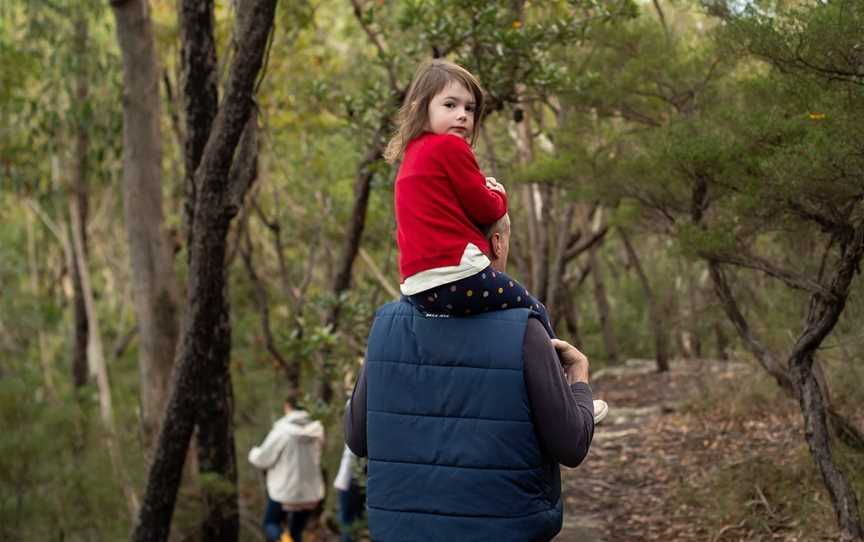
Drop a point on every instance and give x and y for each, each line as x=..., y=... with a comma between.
x=443, y=200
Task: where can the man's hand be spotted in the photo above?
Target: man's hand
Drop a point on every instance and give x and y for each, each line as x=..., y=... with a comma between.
x=574, y=362
x=492, y=184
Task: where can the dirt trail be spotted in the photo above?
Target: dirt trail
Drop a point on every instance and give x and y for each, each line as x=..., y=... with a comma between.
x=626, y=489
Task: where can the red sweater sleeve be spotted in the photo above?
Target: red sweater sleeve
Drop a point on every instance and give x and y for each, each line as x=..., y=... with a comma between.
x=482, y=204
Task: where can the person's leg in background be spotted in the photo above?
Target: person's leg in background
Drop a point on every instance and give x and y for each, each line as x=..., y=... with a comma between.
x=273, y=518
x=296, y=524
x=348, y=511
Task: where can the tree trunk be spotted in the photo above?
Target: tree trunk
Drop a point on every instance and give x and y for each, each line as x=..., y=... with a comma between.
x=842, y=494
x=290, y=367
x=559, y=264
x=154, y=287
x=765, y=357
x=47, y=369
x=533, y=199
x=692, y=323
x=722, y=342
x=571, y=320
x=200, y=90
x=350, y=249
x=81, y=195
x=822, y=315
x=96, y=360
x=202, y=387
x=603, y=311
x=655, y=315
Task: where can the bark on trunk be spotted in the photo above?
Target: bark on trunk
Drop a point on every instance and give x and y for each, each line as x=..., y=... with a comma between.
x=842, y=494
x=841, y=427
x=152, y=261
x=603, y=311
x=692, y=328
x=81, y=195
x=531, y=193
x=342, y=278
x=559, y=264
x=655, y=315
x=571, y=320
x=765, y=357
x=47, y=369
x=200, y=90
x=96, y=360
x=202, y=388
x=290, y=367
x=722, y=342
x=822, y=315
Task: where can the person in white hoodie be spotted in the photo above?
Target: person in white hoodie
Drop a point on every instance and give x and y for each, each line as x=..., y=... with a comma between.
x=291, y=455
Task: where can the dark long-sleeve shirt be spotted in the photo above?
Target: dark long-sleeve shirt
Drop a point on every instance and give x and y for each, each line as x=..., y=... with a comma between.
x=563, y=414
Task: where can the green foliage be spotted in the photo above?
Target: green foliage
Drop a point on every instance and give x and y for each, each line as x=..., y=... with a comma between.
x=626, y=113
x=54, y=474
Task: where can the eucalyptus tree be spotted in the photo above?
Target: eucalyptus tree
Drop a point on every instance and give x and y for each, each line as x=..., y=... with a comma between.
x=201, y=394
x=155, y=289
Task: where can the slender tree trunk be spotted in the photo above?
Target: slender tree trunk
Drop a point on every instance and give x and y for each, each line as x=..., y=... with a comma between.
x=533, y=199
x=546, y=212
x=152, y=261
x=202, y=387
x=350, y=249
x=765, y=357
x=96, y=359
x=722, y=342
x=559, y=263
x=822, y=315
x=81, y=194
x=655, y=315
x=47, y=369
x=692, y=327
x=571, y=319
x=603, y=311
x=200, y=90
x=290, y=367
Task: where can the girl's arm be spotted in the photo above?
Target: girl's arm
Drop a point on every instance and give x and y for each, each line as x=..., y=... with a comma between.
x=265, y=456
x=483, y=204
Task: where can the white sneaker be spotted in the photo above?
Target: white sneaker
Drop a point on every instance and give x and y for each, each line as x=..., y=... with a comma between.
x=601, y=409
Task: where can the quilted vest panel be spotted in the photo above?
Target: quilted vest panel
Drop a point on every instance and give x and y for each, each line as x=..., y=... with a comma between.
x=452, y=450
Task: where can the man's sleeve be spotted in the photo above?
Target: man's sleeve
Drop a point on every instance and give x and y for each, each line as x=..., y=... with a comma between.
x=265, y=456
x=482, y=204
x=563, y=414
x=355, y=417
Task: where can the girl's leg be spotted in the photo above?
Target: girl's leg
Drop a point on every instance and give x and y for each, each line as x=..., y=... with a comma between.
x=296, y=524
x=273, y=517
x=486, y=291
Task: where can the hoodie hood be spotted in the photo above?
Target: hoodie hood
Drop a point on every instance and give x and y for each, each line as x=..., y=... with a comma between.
x=300, y=424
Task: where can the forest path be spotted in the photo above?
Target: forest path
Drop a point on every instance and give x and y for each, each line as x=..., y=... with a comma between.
x=653, y=443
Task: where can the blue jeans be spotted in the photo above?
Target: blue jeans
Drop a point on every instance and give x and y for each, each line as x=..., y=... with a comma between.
x=350, y=506
x=275, y=517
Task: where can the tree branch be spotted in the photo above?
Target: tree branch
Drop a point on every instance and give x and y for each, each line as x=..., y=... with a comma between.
x=751, y=261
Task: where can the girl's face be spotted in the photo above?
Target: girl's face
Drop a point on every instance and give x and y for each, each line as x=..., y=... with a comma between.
x=451, y=111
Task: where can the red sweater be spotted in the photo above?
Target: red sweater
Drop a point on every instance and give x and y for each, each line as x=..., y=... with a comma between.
x=441, y=199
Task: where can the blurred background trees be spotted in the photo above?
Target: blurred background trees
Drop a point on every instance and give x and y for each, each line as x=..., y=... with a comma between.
x=686, y=182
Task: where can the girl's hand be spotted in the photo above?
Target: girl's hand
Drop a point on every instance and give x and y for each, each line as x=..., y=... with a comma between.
x=492, y=184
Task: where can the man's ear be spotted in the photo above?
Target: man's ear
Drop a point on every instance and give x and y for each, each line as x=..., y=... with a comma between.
x=495, y=244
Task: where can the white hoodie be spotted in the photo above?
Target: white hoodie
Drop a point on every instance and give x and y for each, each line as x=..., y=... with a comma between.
x=291, y=454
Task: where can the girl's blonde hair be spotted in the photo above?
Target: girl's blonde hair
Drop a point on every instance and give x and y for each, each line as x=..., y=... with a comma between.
x=430, y=79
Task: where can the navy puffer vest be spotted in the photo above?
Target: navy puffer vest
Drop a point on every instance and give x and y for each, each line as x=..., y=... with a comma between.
x=453, y=455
